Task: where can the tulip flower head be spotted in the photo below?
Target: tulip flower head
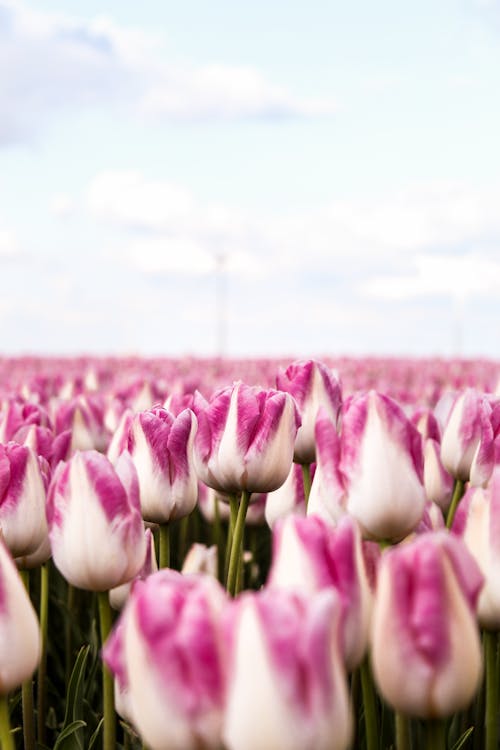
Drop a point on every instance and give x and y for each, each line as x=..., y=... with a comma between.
x=426, y=652
x=245, y=439
x=19, y=630
x=287, y=689
x=161, y=447
x=313, y=386
x=95, y=527
x=172, y=660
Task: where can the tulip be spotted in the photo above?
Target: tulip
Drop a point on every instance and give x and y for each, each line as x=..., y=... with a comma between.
x=201, y=559
x=23, y=482
x=308, y=555
x=287, y=688
x=95, y=526
x=426, y=652
x=245, y=439
x=81, y=422
x=477, y=522
x=17, y=414
x=119, y=439
x=373, y=470
x=287, y=499
x=313, y=386
x=119, y=595
x=437, y=482
x=19, y=631
x=427, y=424
x=173, y=658
x=467, y=445
x=161, y=448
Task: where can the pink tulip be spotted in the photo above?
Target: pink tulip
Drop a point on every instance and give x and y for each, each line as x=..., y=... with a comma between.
x=95, y=527
x=426, y=651
x=313, y=386
x=245, y=439
x=287, y=687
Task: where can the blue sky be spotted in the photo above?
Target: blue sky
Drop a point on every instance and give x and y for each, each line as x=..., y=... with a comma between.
x=342, y=157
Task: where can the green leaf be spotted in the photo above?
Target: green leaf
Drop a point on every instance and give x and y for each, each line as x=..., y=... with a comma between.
x=66, y=740
x=74, y=693
x=463, y=739
x=95, y=735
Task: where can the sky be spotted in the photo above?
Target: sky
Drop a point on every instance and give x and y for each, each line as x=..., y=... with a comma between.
x=265, y=178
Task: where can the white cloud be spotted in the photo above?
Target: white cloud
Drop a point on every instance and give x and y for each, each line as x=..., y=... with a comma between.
x=61, y=205
x=459, y=277
x=9, y=243
x=56, y=61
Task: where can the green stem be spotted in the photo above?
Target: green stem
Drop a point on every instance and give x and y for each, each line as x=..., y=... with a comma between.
x=27, y=692
x=6, y=739
x=217, y=538
x=70, y=603
x=435, y=734
x=490, y=640
x=164, y=545
x=183, y=538
x=42, y=667
x=109, y=729
x=306, y=477
x=233, y=509
x=235, y=557
x=458, y=491
x=403, y=737
x=370, y=706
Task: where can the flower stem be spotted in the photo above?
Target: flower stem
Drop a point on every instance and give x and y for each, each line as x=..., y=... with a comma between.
x=42, y=667
x=458, y=491
x=370, y=706
x=233, y=509
x=490, y=640
x=306, y=478
x=403, y=738
x=109, y=729
x=27, y=693
x=6, y=739
x=235, y=557
x=435, y=734
x=165, y=545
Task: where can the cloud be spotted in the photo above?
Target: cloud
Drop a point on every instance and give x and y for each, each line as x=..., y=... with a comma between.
x=459, y=277
x=57, y=62
x=61, y=205
x=383, y=242
x=9, y=243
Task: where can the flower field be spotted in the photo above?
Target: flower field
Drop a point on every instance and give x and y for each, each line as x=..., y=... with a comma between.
x=249, y=554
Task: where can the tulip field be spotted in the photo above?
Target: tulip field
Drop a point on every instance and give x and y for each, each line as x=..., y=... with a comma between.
x=254, y=554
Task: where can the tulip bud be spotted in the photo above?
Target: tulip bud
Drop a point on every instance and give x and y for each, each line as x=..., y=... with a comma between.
x=467, y=445
x=308, y=556
x=83, y=417
x=22, y=499
x=327, y=498
x=287, y=688
x=172, y=655
x=437, y=482
x=287, y=499
x=95, y=527
x=477, y=521
x=119, y=595
x=313, y=386
x=427, y=424
x=161, y=447
x=119, y=439
x=426, y=652
x=245, y=439
x=201, y=559
x=19, y=630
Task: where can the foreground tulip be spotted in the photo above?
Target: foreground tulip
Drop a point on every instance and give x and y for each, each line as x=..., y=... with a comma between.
x=245, y=439
x=426, y=652
x=373, y=470
x=171, y=660
x=308, y=556
x=437, y=482
x=22, y=499
x=19, y=631
x=313, y=386
x=119, y=595
x=95, y=526
x=287, y=688
x=19, y=642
